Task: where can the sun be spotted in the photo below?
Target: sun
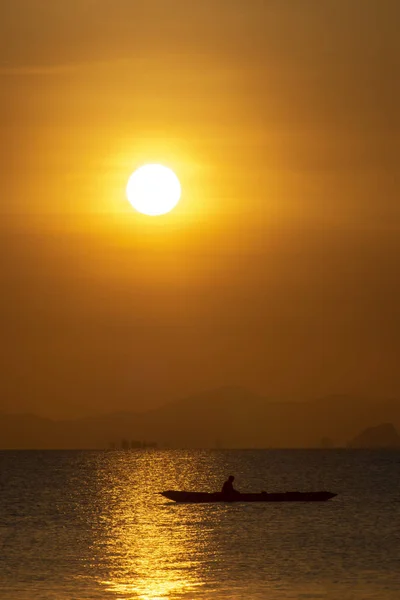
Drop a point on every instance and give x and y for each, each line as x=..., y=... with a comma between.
x=153, y=190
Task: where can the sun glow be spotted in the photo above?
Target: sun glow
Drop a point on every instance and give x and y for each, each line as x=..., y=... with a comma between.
x=153, y=190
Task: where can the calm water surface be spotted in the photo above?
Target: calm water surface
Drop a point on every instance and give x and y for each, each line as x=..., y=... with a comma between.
x=90, y=525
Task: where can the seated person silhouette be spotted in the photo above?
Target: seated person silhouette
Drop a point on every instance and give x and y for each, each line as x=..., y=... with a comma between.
x=228, y=489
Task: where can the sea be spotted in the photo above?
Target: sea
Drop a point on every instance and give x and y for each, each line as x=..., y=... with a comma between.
x=91, y=525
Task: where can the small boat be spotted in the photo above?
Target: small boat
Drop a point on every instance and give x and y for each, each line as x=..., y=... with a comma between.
x=204, y=497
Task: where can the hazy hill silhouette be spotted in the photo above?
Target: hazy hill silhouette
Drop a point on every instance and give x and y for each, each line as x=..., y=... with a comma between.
x=381, y=436
x=227, y=417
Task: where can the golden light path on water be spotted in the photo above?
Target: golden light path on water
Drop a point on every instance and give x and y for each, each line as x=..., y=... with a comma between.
x=152, y=545
x=144, y=556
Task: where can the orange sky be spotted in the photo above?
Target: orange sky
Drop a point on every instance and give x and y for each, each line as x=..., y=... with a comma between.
x=278, y=270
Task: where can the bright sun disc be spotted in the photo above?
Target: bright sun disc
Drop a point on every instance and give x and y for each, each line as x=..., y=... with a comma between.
x=153, y=190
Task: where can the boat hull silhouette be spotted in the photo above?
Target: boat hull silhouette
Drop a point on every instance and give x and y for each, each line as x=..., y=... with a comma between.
x=206, y=497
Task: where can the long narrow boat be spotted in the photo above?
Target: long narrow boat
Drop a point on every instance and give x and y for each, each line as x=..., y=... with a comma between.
x=204, y=497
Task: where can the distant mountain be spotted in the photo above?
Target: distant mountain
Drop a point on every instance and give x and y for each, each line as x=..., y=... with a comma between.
x=382, y=436
x=226, y=418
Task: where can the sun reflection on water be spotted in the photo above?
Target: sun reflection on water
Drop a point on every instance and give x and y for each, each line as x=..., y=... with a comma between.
x=146, y=556
x=153, y=548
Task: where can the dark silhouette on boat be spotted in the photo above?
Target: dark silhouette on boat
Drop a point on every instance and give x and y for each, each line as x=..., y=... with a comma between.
x=205, y=497
x=228, y=489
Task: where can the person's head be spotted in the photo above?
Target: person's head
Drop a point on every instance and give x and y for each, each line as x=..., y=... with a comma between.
x=231, y=478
